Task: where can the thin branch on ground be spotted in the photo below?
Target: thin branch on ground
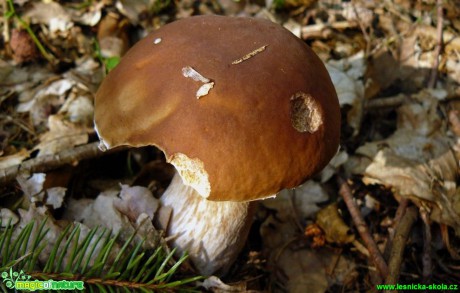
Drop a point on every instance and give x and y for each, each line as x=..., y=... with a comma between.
x=399, y=243
x=439, y=45
x=50, y=162
x=364, y=31
x=362, y=228
x=400, y=212
x=388, y=102
x=446, y=239
x=427, y=254
x=321, y=30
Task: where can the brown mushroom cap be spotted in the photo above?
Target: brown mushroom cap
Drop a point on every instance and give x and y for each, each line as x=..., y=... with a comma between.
x=270, y=121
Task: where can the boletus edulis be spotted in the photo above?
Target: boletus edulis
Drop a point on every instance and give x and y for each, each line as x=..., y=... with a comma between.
x=240, y=106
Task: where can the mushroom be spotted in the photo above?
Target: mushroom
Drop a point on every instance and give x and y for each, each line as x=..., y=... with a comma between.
x=240, y=106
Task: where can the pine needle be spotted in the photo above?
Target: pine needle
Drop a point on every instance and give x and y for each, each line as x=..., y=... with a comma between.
x=92, y=259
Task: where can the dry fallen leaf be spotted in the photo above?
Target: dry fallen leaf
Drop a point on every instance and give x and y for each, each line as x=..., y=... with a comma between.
x=99, y=212
x=307, y=270
x=301, y=201
x=90, y=16
x=417, y=161
x=382, y=71
x=7, y=217
x=32, y=186
x=51, y=14
x=55, y=196
x=333, y=225
x=216, y=285
x=136, y=200
x=79, y=110
x=38, y=215
x=102, y=212
x=132, y=9
x=355, y=11
x=297, y=267
x=40, y=104
x=346, y=75
x=14, y=159
x=61, y=136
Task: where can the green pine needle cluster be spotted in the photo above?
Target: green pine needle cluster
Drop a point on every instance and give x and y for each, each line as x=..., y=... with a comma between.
x=92, y=260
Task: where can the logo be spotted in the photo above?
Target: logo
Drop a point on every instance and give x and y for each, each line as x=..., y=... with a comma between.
x=21, y=281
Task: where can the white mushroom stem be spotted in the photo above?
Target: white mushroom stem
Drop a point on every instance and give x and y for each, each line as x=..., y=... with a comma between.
x=212, y=232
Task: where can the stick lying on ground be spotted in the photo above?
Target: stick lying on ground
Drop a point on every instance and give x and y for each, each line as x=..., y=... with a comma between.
x=362, y=228
x=50, y=162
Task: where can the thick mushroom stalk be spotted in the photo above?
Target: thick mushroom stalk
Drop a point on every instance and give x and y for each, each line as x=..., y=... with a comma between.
x=212, y=232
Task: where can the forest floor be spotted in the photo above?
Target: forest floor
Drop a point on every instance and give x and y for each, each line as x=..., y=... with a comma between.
x=385, y=211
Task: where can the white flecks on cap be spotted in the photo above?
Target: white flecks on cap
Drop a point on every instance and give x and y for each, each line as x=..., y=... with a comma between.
x=204, y=89
x=189, y=72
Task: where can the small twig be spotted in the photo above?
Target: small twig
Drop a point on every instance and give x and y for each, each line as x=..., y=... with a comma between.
x=366, y=36
x=361, y=248
x=399, y=99
x=445, y=237
x=439, y=45
x=50, y=162
x=426, y=258
x=400, y=212
x=363, y=230
x=399, y=243
x=315, y=31
x=389, y=102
